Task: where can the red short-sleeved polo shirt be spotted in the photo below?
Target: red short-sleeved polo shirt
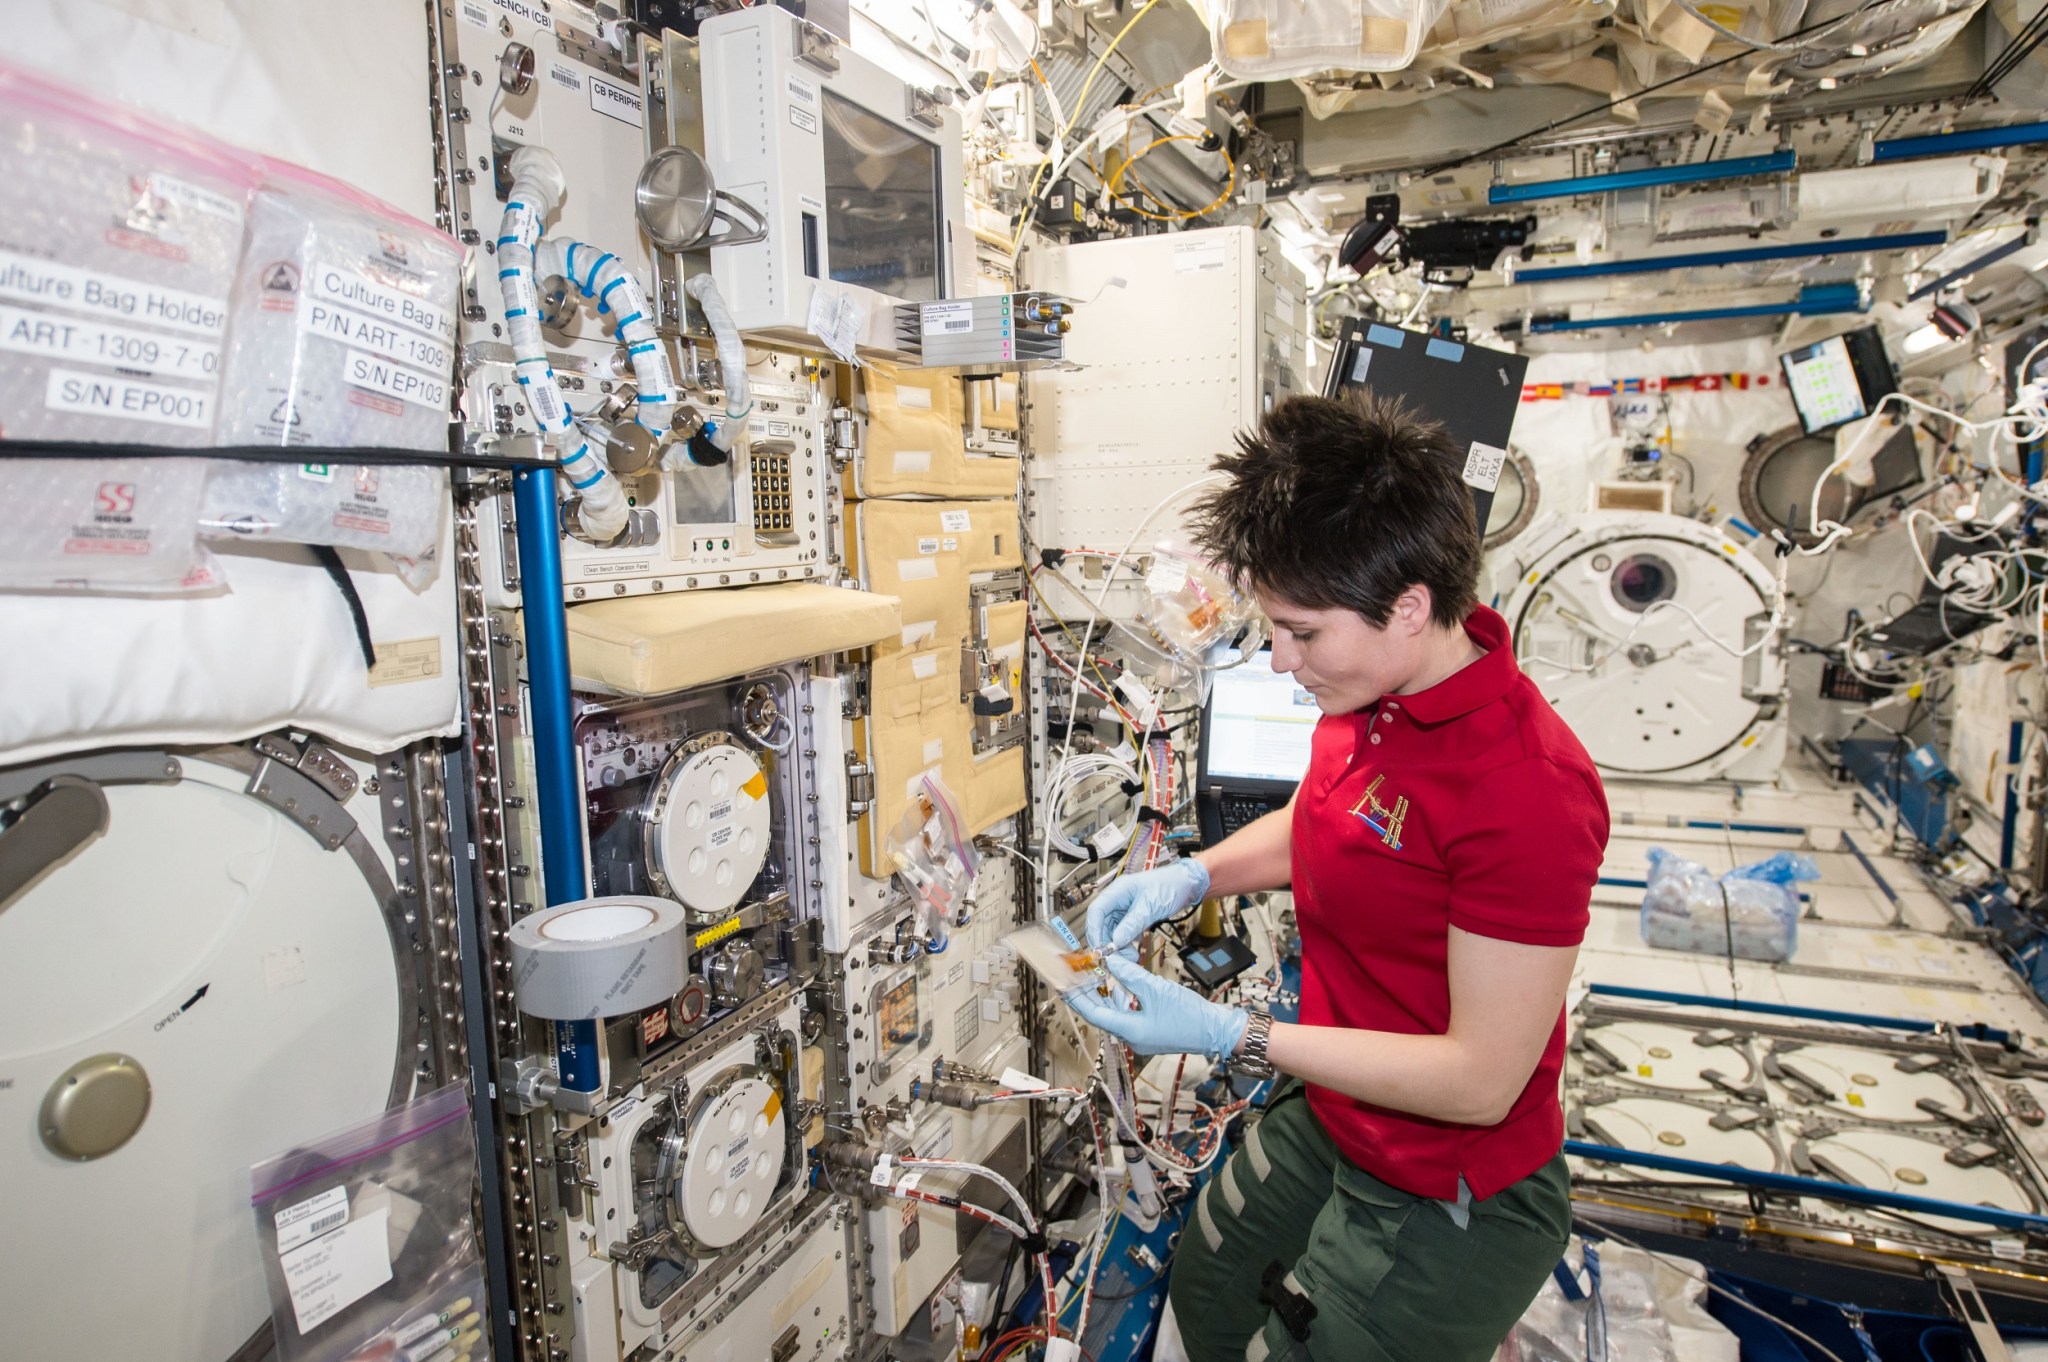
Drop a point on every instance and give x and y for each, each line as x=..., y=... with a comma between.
x=1469, y=804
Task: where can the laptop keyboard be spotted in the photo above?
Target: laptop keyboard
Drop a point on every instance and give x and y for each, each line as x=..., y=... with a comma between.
x=1238, y=810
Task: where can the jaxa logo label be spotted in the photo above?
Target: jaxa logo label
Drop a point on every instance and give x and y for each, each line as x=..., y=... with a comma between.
x=1384, y=819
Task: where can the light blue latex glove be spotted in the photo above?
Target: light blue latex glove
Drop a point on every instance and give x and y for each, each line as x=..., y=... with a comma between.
x=1120, y=914
x=1170, y=1020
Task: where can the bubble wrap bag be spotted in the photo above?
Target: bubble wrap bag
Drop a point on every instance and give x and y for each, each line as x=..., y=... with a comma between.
x=102, y=524
x=118, y=243
x=1751, y=912
x=341, y=334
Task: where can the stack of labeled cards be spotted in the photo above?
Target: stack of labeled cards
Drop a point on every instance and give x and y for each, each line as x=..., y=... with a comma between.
x=1008, y=330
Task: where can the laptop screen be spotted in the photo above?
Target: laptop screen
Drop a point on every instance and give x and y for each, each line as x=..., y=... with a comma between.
x=1260, y=724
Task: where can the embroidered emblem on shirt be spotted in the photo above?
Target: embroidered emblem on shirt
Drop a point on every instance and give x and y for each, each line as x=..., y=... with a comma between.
x=1383, y=819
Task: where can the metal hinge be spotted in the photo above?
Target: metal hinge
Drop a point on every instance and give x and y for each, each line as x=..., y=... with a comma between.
x=860, y=787
x=854, y=704
x=844, y=440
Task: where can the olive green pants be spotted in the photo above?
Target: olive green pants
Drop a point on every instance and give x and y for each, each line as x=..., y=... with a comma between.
x=1371, y=1273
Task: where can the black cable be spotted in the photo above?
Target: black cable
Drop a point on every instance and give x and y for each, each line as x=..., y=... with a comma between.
x=2017, y=49
x=328, y=557
x=1557, y=123
x=382, y=457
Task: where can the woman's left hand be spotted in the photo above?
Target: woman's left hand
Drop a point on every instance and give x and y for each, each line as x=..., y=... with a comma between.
x=1169, y=1019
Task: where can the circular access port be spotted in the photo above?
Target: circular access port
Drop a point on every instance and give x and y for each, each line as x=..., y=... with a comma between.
x=1641, y=580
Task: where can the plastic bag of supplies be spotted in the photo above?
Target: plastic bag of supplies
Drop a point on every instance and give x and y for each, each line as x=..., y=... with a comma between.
x=1752, y=912
x=367, y=1241
x=1612, y=1303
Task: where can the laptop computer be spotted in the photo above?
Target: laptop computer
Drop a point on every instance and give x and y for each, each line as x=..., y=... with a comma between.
x=1254, y=747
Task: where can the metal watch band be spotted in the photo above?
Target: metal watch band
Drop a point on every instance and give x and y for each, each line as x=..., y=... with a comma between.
x=1251, y=1061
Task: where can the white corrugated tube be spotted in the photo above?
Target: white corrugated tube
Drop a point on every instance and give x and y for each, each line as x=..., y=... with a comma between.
x=537, y=188
x=732, y=360
x=600, y=275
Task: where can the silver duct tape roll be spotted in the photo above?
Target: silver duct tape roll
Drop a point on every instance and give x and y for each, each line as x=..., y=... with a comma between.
x=599, y=957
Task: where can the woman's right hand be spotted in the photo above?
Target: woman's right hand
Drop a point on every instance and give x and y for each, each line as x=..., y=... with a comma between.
x=1121, y=913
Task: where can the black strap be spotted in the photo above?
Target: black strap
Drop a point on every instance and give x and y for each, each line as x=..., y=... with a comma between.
x=1148, y=814
x=1294, y=1309
x=330, y=558
x=454, y=457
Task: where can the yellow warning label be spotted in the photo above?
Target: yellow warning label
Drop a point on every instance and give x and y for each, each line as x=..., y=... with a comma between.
x=1643, y=1071
x=1855, y=1099
x=713, y=934
x=757, y=788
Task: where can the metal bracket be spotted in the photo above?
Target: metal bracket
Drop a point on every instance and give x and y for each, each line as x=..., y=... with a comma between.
x=636, y=1253
x=816, y=46
x=922, y=106
x=1968, y=1306
x=844, y=439
x=316, y=762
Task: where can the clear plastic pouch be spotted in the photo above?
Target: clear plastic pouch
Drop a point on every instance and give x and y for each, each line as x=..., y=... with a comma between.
x=367, y=1241
x=117, y=252
x=1751, y=912
x=934, y=857
x=117, y=249
x=341, y=334
x=102, y=524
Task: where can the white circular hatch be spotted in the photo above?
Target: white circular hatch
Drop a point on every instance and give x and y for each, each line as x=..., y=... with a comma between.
x=201, y=987
x=733, y=1159
x=1634, y=626
x=709, y=824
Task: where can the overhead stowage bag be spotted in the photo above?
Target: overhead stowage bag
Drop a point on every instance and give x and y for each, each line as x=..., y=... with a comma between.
x=1280, y=39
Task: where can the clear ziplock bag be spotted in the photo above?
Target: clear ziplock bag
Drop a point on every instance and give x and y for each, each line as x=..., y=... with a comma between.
x=367, y=1241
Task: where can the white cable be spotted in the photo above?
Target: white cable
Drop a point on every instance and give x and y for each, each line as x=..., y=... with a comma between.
x=1066, y=778
x=1074, y=686
x=1772, y=629
x=1173, y=102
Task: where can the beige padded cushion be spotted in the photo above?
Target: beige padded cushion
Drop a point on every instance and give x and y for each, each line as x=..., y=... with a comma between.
x=923, y=552
x=653, y=645
x=915, y=444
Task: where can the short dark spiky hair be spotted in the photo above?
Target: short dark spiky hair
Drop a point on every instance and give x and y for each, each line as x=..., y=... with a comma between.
x=1346, y=503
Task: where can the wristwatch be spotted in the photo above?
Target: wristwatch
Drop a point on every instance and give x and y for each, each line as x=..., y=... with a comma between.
x=1251, y=1060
